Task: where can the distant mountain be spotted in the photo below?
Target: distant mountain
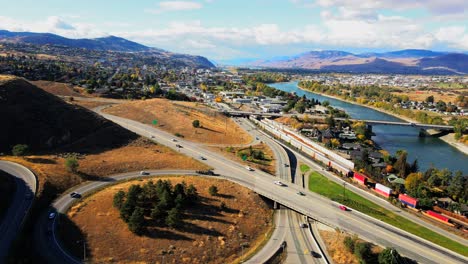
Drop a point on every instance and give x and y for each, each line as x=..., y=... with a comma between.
x=454, y=61
x=407, y=53
x=110, y=43
x=410, y=61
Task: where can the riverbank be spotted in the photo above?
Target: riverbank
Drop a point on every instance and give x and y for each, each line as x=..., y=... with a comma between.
x=449, y=139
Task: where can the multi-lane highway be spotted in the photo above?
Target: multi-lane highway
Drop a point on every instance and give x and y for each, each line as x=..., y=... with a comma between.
x=25, y=182
x=312, y=205
x=300, y=242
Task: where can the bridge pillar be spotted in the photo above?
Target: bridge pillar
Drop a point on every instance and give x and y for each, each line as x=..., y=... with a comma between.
x=275, y=205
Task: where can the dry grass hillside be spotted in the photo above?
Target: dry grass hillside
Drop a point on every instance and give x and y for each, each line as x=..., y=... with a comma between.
x=208, y=235
x=46, y=123
x=138, y=155
x=177, y=117
x=60, y=89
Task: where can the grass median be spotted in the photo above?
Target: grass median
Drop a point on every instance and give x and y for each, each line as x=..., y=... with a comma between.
x=323, y=186
x=304, y=168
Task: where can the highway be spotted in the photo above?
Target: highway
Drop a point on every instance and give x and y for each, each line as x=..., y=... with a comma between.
x=23, y=198
x=300, y=241
x=312, y=205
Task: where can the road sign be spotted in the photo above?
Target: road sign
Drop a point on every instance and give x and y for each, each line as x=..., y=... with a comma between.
x=155, y=122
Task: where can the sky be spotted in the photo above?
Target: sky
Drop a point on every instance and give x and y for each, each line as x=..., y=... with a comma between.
x=224, y=30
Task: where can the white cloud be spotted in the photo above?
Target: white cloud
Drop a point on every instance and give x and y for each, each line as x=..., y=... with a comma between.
x=455, y=36
x=167, y=6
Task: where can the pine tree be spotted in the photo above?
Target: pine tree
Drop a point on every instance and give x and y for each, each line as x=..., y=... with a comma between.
x=173, y=218
x=137, y=221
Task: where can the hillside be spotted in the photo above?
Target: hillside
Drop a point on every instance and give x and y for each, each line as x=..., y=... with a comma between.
x=411, y=61
x=106, y=46
x=106, y=43
x=44, y=122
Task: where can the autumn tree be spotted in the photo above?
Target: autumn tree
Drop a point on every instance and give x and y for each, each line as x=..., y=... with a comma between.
x=412, y=182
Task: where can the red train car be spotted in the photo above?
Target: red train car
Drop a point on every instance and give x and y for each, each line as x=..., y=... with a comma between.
x=437, y=216
x=408, y=200
x=360, y=178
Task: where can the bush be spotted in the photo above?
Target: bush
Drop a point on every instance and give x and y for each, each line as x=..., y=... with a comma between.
x=363, y=252
x=179, y=135
x=213, y=190
x=196, y=123
x=72, y=164
x=20, y=150
x=349, y=243
x=390, y=256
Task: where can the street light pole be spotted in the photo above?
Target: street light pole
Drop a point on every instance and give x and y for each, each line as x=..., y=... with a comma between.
x=344, y=189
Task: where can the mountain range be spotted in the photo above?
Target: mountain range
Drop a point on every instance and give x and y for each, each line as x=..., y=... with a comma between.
x=409, y=61
x=110, y=43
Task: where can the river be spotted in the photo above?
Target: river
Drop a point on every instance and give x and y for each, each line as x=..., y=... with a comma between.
x=429, y=151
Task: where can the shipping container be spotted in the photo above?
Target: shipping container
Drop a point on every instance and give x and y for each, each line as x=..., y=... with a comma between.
x=383, y=190
x=360, y=178
x=437, y=216
x=408, y=200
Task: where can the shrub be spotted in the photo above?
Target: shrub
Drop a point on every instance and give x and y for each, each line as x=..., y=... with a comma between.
x=363, y=252
x=196, y=123
x=20, y=150
x=349, y=243
x=213, y=190
x=72, y=164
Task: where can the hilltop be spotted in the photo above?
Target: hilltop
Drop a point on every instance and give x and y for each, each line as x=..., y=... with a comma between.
x=45, y=122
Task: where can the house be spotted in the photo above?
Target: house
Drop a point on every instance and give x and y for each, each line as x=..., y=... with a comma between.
x=351, y=146
x=326, y=135
x=375, y=156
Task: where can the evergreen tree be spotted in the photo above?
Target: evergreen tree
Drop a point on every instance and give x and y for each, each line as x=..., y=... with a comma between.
x=390, y=256
x=119, y=199
x=137, y=221
x=173, y=218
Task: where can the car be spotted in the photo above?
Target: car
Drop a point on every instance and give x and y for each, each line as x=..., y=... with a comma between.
x=174, y=140
x=75, y=195
x=152, y=136
x=249, y=168
x=256, y=138
x=279, y=183
x=202, y=158
x=144, y=173
x=315, y=254
x=301, y=193
x=304, y=225
x=286, y=165
x=342, y=207
x=179, y=146
x=52, y=215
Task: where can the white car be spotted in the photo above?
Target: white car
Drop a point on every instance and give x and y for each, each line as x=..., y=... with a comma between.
x=174, y=140
x=52, y=215
x=279, y=183
x=144, y=173
x=249, y=168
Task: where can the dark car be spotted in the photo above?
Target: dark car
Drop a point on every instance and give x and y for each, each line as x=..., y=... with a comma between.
x=315, y=254
x=75, y=195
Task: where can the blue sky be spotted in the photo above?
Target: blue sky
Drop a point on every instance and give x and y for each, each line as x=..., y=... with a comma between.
x=226, y=29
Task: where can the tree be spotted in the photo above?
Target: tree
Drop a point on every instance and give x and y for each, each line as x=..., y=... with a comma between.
x=137, y=221
x=412, y=182
x=192, y=194
x=335, y=142
x=430, y=99
x=20, y=149
x=414, y=166
x=457, y=183
x=72, y=164
x=196, y=123
x=213, y=190
x=330, y=121
x=362, y=250
x=390, y=256
x=173, y=218
x=119, y=199
x=300, y=107
x=401, y=164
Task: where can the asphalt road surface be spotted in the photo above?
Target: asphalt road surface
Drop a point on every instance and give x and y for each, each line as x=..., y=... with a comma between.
x=12, y=222
x=312, y=205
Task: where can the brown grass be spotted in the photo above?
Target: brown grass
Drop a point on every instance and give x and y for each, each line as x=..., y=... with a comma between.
x=416, y=95
x=269, y=167
x=109, y=240
x=59, y=89
x=88, y=104
x=337, y=250
x=139, y=155
x=177, y=117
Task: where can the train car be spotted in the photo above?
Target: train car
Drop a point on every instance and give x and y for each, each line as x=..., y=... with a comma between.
x=360, y=178
x=408, y=200
x=437, y=216
x=383, y=190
